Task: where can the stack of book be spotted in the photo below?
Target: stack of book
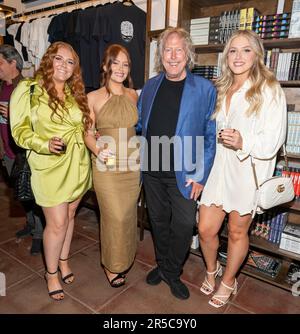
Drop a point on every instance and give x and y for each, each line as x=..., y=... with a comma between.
x=272, y=26
x=295, y=20
x=264, y=263
x=214, y=30
x=229, y=22
x=293, y=136
x=290, y=238
x=247, y=16
x=293, y=274
x=293, y=173
x=199, y=30
x=269, y=226
x=206, y=71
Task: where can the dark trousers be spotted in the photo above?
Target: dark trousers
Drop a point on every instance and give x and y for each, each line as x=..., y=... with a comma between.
x=35, y=219
x=172, y=218
x=34, y=213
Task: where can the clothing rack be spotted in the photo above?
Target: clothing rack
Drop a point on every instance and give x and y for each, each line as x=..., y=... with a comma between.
x=46, y=9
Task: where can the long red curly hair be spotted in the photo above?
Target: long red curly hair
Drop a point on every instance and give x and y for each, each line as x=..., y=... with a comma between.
x=110, y=55
x=75, y=82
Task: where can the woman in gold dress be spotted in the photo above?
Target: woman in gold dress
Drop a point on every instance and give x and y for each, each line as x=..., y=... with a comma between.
x=115, y=163
x=49, y=115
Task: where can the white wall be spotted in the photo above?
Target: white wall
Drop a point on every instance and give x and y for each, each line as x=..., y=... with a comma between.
x=157, y=17
x=47, y=3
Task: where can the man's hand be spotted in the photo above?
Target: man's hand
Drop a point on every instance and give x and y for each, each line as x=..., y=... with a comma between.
x=196, y=189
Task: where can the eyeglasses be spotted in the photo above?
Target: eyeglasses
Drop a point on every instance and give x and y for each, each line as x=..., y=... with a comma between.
x=60, y=61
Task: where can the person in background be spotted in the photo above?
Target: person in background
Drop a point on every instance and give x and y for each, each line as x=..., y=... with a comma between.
x=251, y=116
x=175, y=104
x=51, y=124
x=11, y=65
x=116, y=172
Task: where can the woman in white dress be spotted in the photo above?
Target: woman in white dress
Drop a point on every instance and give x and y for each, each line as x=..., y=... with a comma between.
x=251, y=124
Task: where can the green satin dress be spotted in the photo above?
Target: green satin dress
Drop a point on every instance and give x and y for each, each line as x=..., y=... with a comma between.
x=55, y=178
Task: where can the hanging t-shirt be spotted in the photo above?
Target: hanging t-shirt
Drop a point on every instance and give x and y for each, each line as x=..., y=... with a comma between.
x=56, y=29
x=125, y=25
x=90, y=56
x=18, y=38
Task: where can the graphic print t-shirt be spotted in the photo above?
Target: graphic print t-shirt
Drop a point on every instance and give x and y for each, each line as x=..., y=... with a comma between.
x=125, y=25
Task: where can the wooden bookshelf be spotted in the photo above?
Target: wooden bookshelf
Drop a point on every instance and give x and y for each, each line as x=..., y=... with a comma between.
x=283, y=43
x=295, y=83
x=154, y=33
x=261, y=244
x=207, y=54
x=279, y=280
x=293, y=205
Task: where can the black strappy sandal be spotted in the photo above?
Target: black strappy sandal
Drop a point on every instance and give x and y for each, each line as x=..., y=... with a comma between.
x=114, y=282
x=55, y=292
x=65, y=278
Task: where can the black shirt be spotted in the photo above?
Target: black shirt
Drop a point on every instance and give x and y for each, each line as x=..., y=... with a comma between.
x=125, y=25
x=163, y=122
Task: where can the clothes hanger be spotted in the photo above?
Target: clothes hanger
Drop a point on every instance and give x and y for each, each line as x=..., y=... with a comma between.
x=127, y=3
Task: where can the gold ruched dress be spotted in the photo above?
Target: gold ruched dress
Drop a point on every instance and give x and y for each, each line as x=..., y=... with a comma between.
x=117, y=186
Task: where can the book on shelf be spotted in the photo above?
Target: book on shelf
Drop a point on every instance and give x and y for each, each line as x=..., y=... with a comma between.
x=269, y=225
x=222, y=251
x=195, y=242
x=264, y=263
x=293, y=274
x=290, y=238
x=295, y=20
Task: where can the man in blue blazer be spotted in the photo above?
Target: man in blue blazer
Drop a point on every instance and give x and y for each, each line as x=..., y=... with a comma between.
x=177, y=154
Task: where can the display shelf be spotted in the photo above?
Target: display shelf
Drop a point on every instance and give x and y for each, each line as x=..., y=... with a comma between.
x=293, y=205
x=268, y=247
x=295, y=83
x=279, y=280
x=154, y=33
x=191, y=9
x=283, y=43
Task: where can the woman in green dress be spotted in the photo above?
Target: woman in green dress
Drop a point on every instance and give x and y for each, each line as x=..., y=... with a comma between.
x=49, y=121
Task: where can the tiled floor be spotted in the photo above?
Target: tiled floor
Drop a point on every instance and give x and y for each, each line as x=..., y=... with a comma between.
x=26, y=291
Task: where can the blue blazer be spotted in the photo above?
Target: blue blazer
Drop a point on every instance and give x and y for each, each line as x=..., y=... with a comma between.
x=194, y=127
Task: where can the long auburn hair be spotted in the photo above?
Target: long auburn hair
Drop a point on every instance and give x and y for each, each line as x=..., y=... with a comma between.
x=75, y=83
x=110, y=55
x=259, y=74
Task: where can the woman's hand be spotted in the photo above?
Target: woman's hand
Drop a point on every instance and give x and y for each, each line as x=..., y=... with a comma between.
x=56, y=145
x=196, y=189
x=231, y=138
x=104, y=154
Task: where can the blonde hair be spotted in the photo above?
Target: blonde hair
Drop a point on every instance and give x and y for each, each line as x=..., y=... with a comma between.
x=259, y=74
x=182, y=33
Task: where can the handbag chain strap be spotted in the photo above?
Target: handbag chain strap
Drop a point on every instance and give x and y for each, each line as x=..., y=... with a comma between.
x=253, y=165
x=30, y=93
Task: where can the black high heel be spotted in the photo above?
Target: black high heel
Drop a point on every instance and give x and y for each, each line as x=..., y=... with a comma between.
x=55, y=292
x=113, y=283
x=65, y=278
